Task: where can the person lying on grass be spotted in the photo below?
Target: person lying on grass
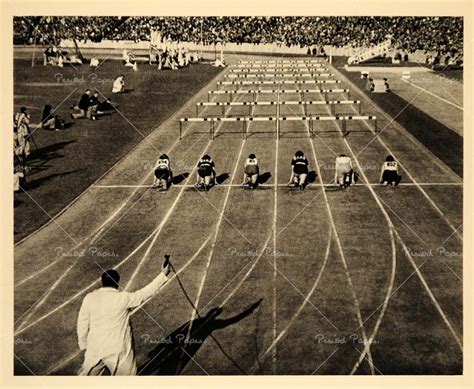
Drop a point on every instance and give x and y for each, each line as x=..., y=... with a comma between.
x=299, y=170
x=206, y=173
x=251, y=172
x=163, y=173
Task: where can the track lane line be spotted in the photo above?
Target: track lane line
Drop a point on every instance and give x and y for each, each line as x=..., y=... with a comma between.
x=406, y=250
x=433, y=94
x=430, y=200
x=301, y=307
x=95, y=235
x=388, y=294
x=217, y=228
x=274, y=238
x=341, y=252
x=213, y=245
x=71, y=357
x=155, y=233
x=285, y=185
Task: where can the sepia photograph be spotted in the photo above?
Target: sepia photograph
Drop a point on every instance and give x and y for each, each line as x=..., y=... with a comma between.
x=205, y=195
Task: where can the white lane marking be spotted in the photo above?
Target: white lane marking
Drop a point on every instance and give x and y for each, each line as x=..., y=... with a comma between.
x=391, y=283
x=37, y=305
x=216, y=234
x=434, y=95
x=97, y=233
x=72, y=356
x=211, y=252
x=303, y=304
x=170, y=211
x=274, y=253
x=407, y=252
x=285, y=185
x=430, y=200
x=343, y=258
x=234, y=291
x=157, y=232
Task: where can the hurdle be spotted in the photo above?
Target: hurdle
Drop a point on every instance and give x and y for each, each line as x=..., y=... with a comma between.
x=277, y=119
x=250, y=104
x=281, y=82
x=245, y=67
x=279, y=75
x=255, y=92
x=279, y=69
x=281, y=61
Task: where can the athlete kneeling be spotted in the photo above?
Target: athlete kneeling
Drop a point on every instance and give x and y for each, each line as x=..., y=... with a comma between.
x=163, y=173
x=389, y=173
x=299, y=171
x=206, y=173
x=251, y=172
x=344, y=172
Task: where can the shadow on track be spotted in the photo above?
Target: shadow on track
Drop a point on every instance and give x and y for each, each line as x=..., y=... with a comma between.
x=179, y=178
x=263, y=178
x=176, y=350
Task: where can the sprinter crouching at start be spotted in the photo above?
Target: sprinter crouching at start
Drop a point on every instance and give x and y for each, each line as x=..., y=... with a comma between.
x=206, y=173
x=163, y=173
x=251, y=172
x=344, y=175
x=299, y=171
x=389, y=173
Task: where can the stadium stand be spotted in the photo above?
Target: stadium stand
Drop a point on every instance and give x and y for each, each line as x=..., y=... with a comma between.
x=442, y=35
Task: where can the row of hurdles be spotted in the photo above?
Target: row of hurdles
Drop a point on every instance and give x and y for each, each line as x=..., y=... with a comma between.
x=332, y=104
x=245, y=120
x=261, y=68
x=256, y=92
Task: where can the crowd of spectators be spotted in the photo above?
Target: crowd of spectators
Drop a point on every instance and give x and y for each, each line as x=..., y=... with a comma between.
x=441, y=34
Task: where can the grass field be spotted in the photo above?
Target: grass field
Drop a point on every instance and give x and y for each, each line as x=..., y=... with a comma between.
x=324, y=281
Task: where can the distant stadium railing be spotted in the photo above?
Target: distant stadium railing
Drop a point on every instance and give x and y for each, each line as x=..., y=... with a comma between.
x=144, y=46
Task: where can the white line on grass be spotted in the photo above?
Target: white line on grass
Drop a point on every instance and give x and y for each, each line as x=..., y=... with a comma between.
x=156, y=233
x=407, y=252
x=391, y=282
x=71, y=357
x=303, y=304
x=285, y=185
x=434, y=95
x=216, y=234
x=98, y=231
x=430, y=200
x=274, y=228
x=214, y=241
x=343, y=258
x=34, y=307
x=249, y=271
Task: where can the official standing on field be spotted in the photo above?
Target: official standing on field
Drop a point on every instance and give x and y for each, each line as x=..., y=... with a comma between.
x=103, y=326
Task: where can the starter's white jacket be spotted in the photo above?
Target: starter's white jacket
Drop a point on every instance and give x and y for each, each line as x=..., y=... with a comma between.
x=103, y=327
